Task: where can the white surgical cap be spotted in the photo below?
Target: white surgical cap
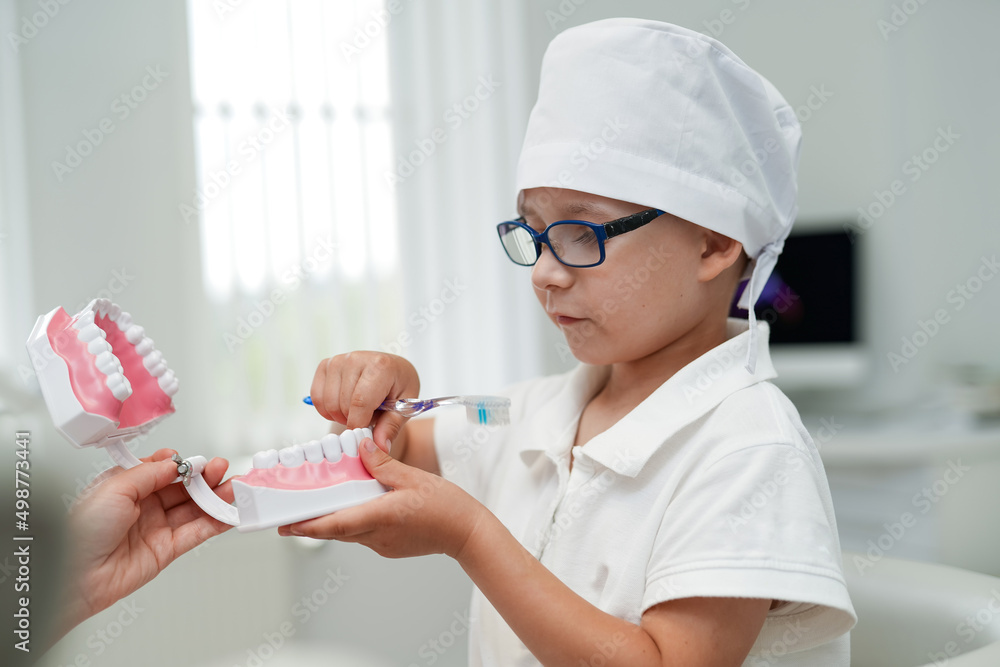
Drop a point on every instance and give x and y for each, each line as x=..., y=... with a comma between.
x=662, y=116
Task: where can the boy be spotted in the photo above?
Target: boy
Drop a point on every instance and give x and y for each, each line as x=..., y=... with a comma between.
x=662, y=503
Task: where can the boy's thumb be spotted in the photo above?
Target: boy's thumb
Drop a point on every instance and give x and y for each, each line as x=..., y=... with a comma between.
x=387, y=427
x=379, y=464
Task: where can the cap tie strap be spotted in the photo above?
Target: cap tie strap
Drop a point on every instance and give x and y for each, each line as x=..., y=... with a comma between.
x=763, y=265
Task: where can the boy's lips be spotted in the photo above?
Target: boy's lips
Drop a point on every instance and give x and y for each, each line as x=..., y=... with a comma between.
x=563, y=320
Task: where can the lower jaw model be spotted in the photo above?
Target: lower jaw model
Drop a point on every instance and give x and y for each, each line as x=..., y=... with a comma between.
x=104, y=383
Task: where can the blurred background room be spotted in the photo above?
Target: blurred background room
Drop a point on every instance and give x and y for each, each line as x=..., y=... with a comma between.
x=266, y=183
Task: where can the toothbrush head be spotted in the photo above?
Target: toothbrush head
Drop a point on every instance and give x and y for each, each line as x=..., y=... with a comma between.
x=487, y=410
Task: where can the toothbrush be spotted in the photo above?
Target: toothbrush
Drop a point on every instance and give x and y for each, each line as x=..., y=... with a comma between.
x=485, y=410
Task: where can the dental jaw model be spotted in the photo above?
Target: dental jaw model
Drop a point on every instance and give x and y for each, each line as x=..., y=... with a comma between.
x=104, y=383
x=289, y=485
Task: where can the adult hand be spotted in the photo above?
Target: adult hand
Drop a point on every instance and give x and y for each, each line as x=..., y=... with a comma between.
x=128, y=526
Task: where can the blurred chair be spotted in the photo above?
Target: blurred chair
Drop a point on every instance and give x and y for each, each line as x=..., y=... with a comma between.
x=914, y=614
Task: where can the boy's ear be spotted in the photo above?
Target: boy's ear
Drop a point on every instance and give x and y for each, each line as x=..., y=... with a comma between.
x=719, y=255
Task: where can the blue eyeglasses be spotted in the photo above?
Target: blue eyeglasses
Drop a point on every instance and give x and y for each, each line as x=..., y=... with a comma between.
x=575, y=243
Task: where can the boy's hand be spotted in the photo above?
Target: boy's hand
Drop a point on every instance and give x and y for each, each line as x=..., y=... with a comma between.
x=348, y=388
x=424, y=514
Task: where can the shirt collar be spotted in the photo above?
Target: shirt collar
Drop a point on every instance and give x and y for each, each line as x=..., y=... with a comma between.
x=692, y=392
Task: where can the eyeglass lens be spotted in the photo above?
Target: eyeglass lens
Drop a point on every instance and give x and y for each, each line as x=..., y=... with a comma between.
x=572, y=244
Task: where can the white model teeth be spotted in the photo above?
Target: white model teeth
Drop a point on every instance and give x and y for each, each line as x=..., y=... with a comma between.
x=108, y=363
x=265, y=459
x=349, y=442
x=114, y=311
x=134, y=334
x=97, y=345
x=119, y=386
x=124, y=322
x=168, y=383
x=90, y=332
x=331, y=447
x=144, y=346
x=152, y=359
x=101, y=307
x=84, y=321
x=291, y=457
x=313, y=451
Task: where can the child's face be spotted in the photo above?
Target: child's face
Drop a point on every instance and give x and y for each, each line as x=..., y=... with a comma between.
x=651, y=290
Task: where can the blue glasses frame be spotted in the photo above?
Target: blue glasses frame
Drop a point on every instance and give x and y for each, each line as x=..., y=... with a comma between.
x=603, y=232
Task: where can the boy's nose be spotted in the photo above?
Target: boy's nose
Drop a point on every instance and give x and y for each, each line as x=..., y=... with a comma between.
x=549, y=272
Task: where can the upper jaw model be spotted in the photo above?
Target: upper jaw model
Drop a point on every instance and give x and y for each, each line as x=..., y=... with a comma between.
x=104, y=383
x=102, y=379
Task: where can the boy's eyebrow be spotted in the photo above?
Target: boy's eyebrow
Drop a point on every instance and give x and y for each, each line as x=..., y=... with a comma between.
x=574, y=208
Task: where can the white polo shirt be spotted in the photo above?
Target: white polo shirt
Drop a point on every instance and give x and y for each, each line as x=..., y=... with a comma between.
x=710, y=487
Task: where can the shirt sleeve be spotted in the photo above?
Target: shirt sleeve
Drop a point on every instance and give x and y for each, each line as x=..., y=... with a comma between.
x=757, y=523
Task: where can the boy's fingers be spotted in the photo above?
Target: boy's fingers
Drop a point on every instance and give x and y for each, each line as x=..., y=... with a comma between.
x=387, y=426
x=383, y=467
x=372, y=387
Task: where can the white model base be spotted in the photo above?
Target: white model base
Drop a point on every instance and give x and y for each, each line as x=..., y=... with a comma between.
x=263, y=507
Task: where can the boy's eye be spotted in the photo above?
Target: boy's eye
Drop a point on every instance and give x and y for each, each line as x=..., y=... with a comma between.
x=585, y=237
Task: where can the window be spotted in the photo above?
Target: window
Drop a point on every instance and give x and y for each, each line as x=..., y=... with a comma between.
x=297, y=222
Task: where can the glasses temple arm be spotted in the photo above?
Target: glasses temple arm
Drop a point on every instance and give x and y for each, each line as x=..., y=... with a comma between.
x=631, y=222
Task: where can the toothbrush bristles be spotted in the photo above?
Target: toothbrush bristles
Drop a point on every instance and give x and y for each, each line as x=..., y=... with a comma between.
x=488, y=413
